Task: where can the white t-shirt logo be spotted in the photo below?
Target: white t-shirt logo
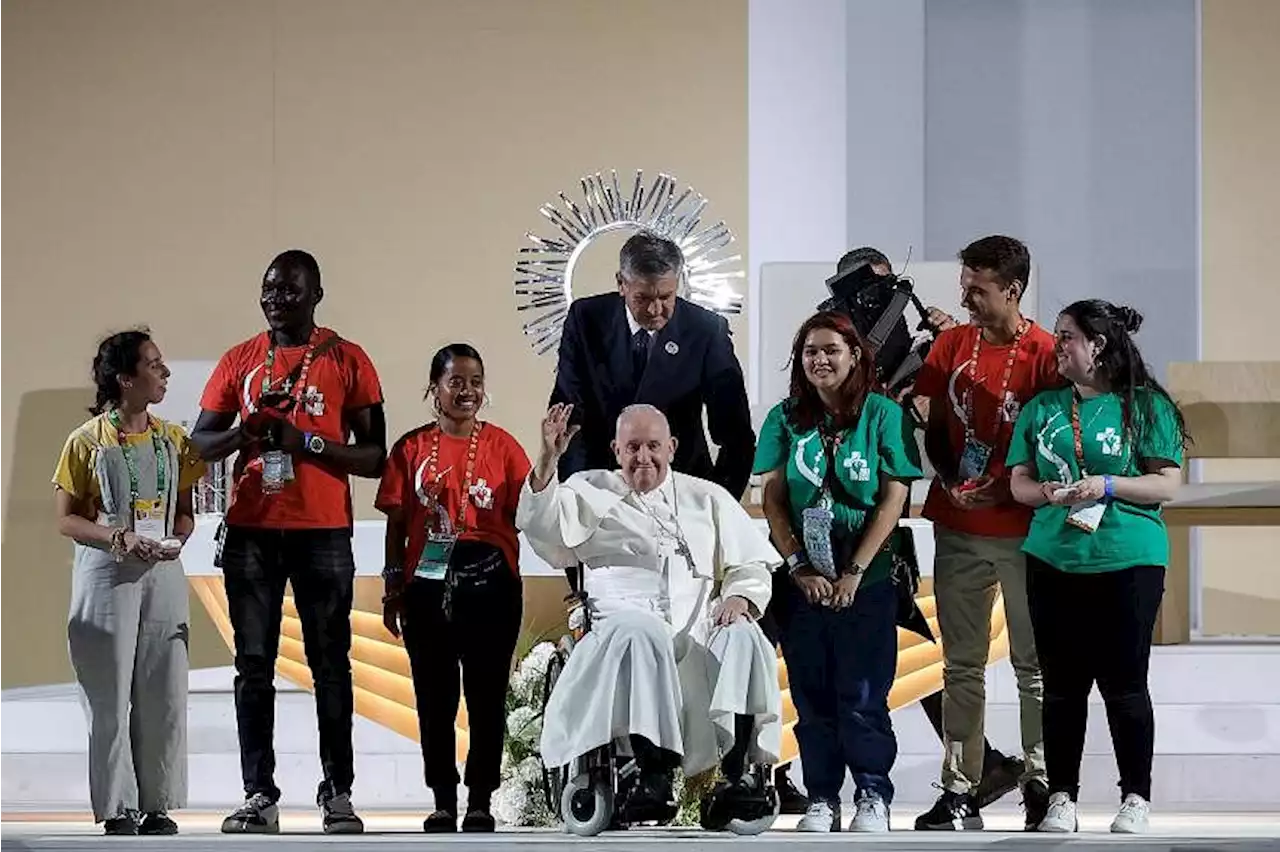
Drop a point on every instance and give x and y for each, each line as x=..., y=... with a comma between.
x=857, y=467
x=1109, y=439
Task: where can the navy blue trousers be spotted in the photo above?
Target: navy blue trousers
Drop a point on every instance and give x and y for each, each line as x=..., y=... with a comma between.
x=841, y=664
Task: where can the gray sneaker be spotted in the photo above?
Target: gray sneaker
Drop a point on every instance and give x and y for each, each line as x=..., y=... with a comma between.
x=821, y=816
x=1061, y=817
x=872, y=815
x=258, y=815
x=339, y=816
x=1134, y=816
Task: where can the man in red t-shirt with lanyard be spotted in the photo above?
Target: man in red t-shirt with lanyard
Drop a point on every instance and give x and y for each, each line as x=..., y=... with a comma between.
x=310, y=415
x=975, y=381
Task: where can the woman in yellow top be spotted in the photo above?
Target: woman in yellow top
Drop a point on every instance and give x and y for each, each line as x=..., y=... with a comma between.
x=123, y=490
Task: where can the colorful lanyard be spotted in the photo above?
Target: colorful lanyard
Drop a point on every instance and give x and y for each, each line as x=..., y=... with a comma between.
x=1077, y=433
x=131, y=462
x=969, y=430
x=434, y=458
x=268, y=368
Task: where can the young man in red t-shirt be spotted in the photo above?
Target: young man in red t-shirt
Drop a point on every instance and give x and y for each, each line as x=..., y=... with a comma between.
x=309, y=406
x=975, y=380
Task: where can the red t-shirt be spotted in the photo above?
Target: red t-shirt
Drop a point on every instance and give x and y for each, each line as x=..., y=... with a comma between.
x=501, y=468
x=944, y=379
x=340, y=380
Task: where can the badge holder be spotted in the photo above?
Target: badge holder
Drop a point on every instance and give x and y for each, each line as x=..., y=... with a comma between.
x=148, y=520
x=974, y=460
x=277, y=470
x=433, y=564
x=818, y=522
x=1087, y=516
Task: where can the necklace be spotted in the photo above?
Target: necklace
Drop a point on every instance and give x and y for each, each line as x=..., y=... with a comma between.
x=434, y=493
x=131, y=462
x=677, y=534
x=969, y=427
x=289, y=385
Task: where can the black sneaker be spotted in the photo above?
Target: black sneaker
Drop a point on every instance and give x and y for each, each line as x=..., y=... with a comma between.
x=478, y=821
x=339, y=817
x=793, y=801
x=258, y=815
x=952, y=812
x=440, y=822
x=158, y=823
x=124, y=825
x=999, y=780
x=1035, y=801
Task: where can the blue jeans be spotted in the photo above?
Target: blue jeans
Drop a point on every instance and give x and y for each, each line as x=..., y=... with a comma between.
x=841, y=665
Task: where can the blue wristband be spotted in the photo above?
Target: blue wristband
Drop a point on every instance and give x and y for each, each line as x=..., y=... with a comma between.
x=1108, y=487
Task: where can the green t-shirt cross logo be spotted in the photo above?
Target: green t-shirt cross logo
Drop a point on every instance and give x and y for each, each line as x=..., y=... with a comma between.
x=859, y=470
x=1109, y=438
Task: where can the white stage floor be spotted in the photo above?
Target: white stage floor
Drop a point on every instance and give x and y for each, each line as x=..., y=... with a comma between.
x=1201, y=831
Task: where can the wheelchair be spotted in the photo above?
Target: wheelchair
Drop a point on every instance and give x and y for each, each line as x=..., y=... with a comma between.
x=593, y=793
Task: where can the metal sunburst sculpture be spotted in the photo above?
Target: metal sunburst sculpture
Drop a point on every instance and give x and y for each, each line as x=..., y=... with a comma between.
x=544, y=271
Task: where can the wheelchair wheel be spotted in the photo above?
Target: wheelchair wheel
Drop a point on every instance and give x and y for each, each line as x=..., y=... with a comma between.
x=554, y=777
x=586, y=804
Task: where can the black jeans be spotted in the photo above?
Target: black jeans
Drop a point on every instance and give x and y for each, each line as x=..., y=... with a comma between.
x=841, y=664
x=1096, y=627
x=478, y=634
x=319, y=564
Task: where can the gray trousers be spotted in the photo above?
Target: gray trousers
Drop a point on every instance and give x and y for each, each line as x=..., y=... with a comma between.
x=128, y=639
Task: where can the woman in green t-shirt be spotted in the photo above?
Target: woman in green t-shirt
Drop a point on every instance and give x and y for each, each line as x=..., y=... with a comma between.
x=837, y=461
x=1096, y=460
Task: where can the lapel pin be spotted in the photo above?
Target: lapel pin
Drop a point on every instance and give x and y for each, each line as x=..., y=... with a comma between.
x=672, y=347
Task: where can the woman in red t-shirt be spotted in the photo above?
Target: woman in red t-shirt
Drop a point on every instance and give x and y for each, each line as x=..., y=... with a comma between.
x=452, y=576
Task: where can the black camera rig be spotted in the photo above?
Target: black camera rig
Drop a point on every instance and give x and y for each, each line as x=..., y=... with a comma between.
x=876, y=304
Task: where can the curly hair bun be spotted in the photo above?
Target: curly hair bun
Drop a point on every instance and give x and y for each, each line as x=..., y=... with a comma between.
x=1129, y=318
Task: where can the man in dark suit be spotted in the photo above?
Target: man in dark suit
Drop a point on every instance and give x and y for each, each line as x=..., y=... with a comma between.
x=644, y=344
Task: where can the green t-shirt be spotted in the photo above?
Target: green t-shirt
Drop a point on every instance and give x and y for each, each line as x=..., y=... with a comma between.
x=882, y=442
x=1043, y=440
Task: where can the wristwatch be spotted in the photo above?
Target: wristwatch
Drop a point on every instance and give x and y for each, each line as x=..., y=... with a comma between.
x=314, y=443
x=855, y=570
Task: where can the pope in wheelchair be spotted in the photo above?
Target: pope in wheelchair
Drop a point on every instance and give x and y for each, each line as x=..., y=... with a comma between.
x=673, y=670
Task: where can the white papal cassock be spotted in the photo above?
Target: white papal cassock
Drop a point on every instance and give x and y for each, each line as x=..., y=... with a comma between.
x=654, y=663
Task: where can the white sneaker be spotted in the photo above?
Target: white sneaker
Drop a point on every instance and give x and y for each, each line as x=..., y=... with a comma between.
x=1061, y=817
x=872, y=815
x=1134, y=816
x=820, y=817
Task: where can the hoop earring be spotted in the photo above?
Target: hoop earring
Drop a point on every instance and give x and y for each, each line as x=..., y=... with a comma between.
x=435, y=403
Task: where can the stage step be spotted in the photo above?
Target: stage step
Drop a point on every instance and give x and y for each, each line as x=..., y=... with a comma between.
x=1217, y=742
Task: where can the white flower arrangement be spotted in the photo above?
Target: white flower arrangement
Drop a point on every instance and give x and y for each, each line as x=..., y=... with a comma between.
x=521, y=798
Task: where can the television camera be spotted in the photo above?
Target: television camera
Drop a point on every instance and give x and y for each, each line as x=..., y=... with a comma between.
x=876, y=304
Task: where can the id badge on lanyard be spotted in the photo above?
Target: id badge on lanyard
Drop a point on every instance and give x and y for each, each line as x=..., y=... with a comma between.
x=148, y=520
x=976, y=455
x=1083, y=516
x=974, y=459
x=818, y=521
x=433, y=564
x=277, y=469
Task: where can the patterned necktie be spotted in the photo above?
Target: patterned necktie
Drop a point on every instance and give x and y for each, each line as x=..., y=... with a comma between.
x=639, y=353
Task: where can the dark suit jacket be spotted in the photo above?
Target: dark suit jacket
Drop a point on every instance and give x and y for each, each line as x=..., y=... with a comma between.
x=595, y=374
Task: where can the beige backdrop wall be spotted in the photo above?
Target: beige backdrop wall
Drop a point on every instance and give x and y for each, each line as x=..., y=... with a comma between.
x=1240, y=299
x=156, y=155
